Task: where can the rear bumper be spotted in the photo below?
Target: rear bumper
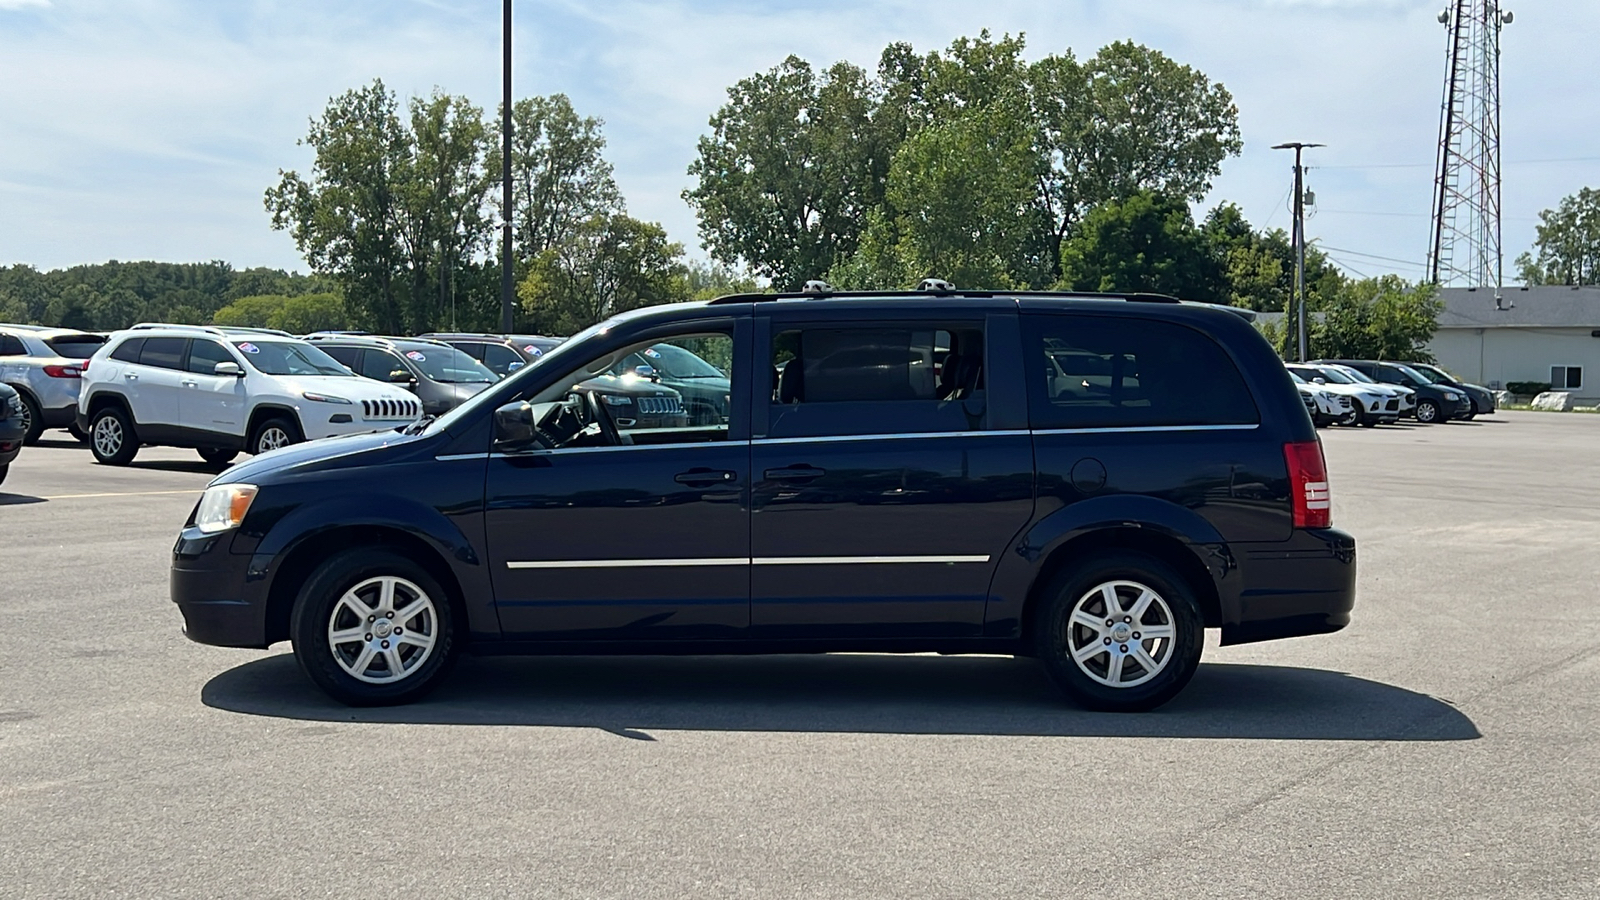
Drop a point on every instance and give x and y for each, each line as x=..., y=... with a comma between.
x=1305, y=585
x=221, y=603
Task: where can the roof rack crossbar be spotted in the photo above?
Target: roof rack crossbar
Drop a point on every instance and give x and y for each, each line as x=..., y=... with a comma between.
x=1131, y=297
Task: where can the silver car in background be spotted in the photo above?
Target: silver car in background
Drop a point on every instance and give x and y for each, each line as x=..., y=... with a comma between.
x=45, y=366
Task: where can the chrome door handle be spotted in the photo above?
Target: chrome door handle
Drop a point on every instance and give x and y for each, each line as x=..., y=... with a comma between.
x=191, y=384
x=130, y=376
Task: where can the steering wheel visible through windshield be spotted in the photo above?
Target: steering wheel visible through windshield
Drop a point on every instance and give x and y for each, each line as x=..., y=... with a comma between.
x=290, y=358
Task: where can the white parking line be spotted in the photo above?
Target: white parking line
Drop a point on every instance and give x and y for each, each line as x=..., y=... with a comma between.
x=116, y=494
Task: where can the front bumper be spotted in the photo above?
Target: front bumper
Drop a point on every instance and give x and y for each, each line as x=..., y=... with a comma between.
x=1305, y=585
x=222, y=604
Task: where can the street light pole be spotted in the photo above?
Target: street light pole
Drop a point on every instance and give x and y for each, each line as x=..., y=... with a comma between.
x=1299, y=299
x=507, y=212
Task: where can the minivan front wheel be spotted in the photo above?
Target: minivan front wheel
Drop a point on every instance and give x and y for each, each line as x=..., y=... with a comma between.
x=372, y=628
x=1120, y=633
x=1427, y=412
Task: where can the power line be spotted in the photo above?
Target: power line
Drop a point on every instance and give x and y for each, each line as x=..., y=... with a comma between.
x=1517, y=162
x=1387, y=259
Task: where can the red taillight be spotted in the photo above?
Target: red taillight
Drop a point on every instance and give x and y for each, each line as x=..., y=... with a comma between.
x=1308, y=484
x=64, y=371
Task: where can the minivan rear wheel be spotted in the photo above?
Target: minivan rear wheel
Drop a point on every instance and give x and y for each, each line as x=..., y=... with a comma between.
x=1120, y=633
x=372, y=628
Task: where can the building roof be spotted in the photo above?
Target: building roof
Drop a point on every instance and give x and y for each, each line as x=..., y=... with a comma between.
x=1545, y=306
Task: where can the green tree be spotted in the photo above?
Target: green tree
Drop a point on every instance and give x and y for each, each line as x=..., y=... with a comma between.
x=1147, y=242
x=790, y=171
x=1377, y=318
x=559, y=174
x=299, y=314
x=1258, y=267
x=393, y=205
x=612, y=264
x=1568, y=243
x=708, y=281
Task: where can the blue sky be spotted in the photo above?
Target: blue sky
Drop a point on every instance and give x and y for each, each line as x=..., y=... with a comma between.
x=148, y=129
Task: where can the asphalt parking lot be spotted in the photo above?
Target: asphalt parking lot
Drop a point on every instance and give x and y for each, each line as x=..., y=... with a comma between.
x=1447, y=744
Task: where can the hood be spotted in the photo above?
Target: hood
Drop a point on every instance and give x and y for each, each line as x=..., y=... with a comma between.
x=294, y=455
x=352, y=388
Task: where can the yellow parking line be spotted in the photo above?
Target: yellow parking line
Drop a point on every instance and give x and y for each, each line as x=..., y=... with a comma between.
x=116, y=494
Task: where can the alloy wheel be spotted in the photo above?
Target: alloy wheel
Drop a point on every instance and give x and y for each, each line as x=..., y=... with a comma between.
x=272, y=438
x=1120, y=633
x=108, y=436
x=383, y=629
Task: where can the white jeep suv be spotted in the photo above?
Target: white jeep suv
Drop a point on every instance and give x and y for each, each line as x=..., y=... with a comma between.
x=222, y=390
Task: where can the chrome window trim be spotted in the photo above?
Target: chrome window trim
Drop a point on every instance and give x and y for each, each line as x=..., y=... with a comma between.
x=451, y=457
x=678, y=562
x=1130, y=429
x=906, y=436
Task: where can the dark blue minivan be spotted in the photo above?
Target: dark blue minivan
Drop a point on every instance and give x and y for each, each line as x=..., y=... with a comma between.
x=1089, y=479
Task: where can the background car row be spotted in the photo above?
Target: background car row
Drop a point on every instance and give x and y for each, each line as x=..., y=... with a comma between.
x=1373, y=392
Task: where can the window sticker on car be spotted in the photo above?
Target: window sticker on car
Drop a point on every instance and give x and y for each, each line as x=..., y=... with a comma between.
x=653, y=353
x=534, y=350
x=416, y=355
x=249, y=347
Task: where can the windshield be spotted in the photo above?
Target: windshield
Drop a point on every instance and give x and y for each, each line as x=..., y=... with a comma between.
x=671, y=361
x=1437, y=374
x=1359, y=376
x=76, y=346
x=447, y=364
x=1335, y=376
x=1418, y=377
x=1296, y=376
x=290, y=358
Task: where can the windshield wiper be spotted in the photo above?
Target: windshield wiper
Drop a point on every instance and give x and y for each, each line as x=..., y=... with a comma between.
x=419, y=425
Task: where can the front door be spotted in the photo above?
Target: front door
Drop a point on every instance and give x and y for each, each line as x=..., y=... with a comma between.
x=883, y=494
x=208, y=401
x=623, y=533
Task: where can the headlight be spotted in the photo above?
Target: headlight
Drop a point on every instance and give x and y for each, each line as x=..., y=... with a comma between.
x=223, y=507
x=1451, y=395
x=616, y=400
x=324, y=398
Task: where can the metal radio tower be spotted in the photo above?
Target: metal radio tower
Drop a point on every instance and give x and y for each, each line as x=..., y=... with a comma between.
x=1465, y=249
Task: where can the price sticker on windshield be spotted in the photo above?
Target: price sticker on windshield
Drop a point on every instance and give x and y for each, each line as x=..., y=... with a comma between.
x=416, y=355
x=249, y=347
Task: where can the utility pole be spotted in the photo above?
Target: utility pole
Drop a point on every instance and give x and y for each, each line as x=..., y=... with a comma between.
x=1299, y=299
x=507, y=212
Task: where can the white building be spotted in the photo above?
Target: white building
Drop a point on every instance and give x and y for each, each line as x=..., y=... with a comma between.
x=1546, y=334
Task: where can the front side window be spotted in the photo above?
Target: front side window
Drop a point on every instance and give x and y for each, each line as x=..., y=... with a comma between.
x=289, y=358
x=606, y=402
x=1113, y=372
x=877, y=379
x=204, y=356
x=500, y=359
x=383, y=366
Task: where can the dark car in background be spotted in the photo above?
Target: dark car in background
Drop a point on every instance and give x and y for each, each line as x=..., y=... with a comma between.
x=14, y=424
x=1482, y=398
x=704, y=387
x=1435, y=402
x=440, y=375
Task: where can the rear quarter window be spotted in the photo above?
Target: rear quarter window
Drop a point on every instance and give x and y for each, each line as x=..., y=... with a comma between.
x=1111, y=372
x=128, y=350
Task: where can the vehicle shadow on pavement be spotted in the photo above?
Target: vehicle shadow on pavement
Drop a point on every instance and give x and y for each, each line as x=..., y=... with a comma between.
x=18, y=499
x=867, y=693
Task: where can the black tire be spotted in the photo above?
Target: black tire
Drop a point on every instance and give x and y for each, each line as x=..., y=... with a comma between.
x=268, y=430
x=35, y=417
x=217, y=456
x=1175, y=664
x=79, y=433
x=4, y=470
x=319, y=608
x=1428, y=412
x=112, y=439
x=1470, y=416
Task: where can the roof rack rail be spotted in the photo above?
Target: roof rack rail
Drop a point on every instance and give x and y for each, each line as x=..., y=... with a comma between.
x=246, y=329
x=1131, y=296
x=176, y=326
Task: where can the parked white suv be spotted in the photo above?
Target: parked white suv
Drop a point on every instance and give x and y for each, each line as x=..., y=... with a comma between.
x=1373, y=405
x=222, y=390
x=44, y=365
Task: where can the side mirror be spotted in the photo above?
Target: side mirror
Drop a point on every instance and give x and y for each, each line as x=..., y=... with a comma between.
x=513, y=426
x=1319, y=380
x=401, y=376
x=513, y=367
x=227, y=368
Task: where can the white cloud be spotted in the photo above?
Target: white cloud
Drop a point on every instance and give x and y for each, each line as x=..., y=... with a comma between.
x=21, y=4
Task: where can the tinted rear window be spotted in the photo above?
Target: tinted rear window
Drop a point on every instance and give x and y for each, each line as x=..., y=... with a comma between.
x=128, y=350
x=76, y=346
x=164, y=352
x=1110, y=372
